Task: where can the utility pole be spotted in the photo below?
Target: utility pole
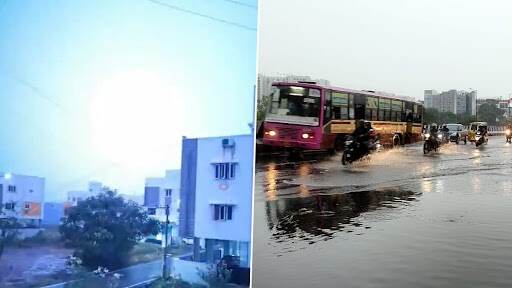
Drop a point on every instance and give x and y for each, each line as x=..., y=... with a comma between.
x=166, y=268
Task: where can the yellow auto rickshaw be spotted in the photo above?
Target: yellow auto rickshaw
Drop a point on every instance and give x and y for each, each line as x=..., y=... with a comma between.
x=473, y=128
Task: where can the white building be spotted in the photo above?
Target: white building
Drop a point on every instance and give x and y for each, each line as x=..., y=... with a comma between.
x=265, y=82
x=22, y=197
x=454, y=101
x=216, y=196
x=162, y=191
x=94, y=188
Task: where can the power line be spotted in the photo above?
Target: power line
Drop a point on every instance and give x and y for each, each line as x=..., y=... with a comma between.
x=242, y=4
x=174, y=7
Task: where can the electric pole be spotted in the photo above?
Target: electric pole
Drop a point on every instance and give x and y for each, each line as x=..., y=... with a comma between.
x=166, y=268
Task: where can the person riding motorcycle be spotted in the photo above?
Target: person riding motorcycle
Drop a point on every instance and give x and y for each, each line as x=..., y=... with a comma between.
x=363, y=134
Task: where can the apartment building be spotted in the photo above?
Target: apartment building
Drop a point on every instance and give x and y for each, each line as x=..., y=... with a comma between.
x=22, y=197
x=216, y=196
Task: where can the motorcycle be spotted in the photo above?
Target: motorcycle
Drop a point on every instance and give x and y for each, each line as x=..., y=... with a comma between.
x=508, y=136
x=480, y=138
x=354, y=150
x=432, y=142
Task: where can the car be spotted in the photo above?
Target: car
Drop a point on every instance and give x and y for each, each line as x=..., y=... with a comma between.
x=457, y=133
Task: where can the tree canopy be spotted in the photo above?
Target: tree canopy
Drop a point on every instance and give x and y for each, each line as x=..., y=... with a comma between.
x=104, y=228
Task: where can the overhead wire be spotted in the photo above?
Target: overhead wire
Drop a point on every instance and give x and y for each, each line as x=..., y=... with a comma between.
x=206, y=16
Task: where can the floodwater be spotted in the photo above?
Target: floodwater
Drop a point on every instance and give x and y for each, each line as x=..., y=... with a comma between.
x=403, y=219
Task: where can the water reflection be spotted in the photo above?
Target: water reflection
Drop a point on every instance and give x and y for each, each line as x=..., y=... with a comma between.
x=319, y=217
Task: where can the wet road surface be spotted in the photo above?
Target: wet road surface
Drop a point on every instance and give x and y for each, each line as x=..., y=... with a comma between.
x=401, y=220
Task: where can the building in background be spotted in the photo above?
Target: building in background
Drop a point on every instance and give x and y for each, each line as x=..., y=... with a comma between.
x=94, y=188
x=162, y=191
x=265, y=82
x=216, y=196
x=455, y=101
x=22, y=197
x=53, y=212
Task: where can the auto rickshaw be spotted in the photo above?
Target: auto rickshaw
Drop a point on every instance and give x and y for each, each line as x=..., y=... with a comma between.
x=473, y=128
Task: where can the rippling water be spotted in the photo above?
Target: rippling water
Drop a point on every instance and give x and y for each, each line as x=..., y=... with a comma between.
x=402, y=220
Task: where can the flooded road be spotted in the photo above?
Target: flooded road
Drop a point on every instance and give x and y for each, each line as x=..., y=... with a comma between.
x=402, y=220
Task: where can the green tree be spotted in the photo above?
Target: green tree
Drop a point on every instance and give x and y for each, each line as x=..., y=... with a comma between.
x=105, y=228
x=488, y=112
x=262, y=107
x=8, y=231
x=431, y=115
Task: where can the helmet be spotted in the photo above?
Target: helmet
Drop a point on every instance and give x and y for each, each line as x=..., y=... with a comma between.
x=360, y=123
x=433, y=125
x=368, y=124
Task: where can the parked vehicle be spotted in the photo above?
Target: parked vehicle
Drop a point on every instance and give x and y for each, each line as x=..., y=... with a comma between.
x=457, y=133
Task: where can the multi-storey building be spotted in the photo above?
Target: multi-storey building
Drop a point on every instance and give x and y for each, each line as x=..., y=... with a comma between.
x=160, y=192
x=454, y=101
x=22, y=197
x=216, y=196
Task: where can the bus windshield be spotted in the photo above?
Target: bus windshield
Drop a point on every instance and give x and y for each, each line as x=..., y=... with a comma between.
x=296, y=105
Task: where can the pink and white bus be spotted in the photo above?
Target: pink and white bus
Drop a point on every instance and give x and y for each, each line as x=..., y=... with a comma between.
x=309, y=116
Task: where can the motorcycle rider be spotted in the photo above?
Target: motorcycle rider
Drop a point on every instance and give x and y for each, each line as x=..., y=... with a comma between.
x=362, y=134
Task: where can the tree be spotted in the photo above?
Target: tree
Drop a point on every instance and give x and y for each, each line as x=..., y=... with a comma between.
x=103, y=229
x=488, y=112
x=8, y=231
x=262, y=107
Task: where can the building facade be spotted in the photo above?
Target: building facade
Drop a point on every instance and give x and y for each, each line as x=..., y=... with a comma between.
x=216, y=196
x=162, y=191
x=455, y=101
x=94, y=188
x=22, y=197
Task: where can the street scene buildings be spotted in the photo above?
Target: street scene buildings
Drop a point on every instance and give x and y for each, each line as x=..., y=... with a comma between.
x=455, y=101
x=160, y=192
x=216, y=197
x=21, y=197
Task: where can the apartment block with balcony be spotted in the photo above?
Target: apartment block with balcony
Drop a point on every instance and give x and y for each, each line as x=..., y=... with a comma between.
x=216, y=197
x=22, y=197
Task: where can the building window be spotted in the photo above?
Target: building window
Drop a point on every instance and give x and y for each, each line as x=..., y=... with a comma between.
x=223, y=212
x=225, y=171
x=168, y=192
x=9, y=206
x=11, y=188
x=30, y=190
x=151, y=211
x=27, y=205
x=1, y=188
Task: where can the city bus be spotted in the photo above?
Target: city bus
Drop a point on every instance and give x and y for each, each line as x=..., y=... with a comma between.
x=309, y=116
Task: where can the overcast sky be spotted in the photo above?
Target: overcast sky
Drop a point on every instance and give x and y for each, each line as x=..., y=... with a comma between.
x=105, y=90
x=398, y=46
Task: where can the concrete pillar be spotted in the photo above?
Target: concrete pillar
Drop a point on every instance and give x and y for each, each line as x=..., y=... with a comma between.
x=197, y=250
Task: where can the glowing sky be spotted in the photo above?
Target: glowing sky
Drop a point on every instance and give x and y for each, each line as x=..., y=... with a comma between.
x=104, y=90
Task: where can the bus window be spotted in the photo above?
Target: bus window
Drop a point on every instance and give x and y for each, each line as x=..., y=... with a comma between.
x=372, y=103
x=384, y=109
x=340, y=106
